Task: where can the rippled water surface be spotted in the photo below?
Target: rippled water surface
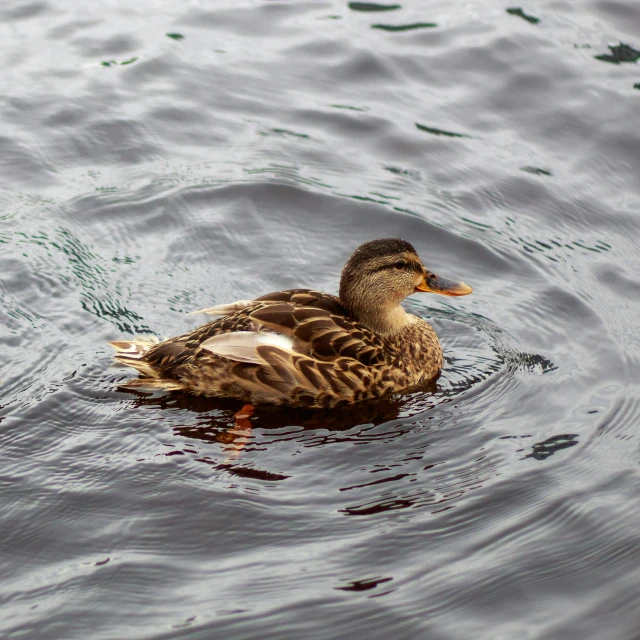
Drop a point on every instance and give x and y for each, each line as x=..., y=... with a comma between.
x=166, y=156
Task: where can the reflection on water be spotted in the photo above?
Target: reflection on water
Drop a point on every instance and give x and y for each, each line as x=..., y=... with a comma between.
x=59, y=259
x=517, y=11
x=404, y=27
x=372, y=6
x=439, y=132
x=619, y=53
x=537, y=171
x=364, y=585
x=542, y=450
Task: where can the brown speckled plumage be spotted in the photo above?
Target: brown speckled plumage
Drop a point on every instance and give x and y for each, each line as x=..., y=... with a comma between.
x=338, y=350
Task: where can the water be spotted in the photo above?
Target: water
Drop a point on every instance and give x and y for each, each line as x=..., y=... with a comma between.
x=164, y=157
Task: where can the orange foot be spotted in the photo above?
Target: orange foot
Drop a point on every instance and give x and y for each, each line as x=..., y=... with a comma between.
x=235, y=438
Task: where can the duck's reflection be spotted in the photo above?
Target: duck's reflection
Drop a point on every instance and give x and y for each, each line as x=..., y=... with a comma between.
x=232, y=434
x=235, y=438
x=233, y=425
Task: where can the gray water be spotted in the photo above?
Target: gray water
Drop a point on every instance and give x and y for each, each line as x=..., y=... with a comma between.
x=166, y=156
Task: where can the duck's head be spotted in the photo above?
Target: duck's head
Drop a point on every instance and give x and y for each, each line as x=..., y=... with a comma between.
x=379, y=275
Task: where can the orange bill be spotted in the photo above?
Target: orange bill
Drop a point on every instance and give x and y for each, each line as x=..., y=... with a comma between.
x=433, y=284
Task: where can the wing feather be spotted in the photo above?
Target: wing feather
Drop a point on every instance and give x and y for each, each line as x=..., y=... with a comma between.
x=326, y=336
x=306, y=298
x=224, y=309
x=242, y=346
x=299, y=344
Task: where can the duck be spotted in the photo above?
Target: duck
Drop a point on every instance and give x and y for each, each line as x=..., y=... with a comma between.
x=305, y=348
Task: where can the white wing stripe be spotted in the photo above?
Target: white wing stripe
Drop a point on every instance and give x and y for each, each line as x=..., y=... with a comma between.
x=241, y=345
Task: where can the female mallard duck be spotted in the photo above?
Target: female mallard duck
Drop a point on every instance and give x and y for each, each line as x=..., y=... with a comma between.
x=306, y=348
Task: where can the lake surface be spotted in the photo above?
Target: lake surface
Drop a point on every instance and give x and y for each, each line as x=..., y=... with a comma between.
x=166, y=156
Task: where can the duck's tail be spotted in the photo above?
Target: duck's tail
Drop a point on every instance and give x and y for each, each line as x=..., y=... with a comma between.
x=132, y=353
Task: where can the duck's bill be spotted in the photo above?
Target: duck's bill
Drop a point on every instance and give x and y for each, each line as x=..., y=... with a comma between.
x=433, y=284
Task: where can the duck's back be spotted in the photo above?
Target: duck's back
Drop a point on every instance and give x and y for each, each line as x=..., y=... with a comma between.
x=298, y=347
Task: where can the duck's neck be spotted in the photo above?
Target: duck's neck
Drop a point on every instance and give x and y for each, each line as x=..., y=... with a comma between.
x=386, y=322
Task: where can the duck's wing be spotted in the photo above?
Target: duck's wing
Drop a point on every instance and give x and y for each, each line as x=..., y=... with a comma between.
x=302, y=297
x=264, y=367
x=317, y=322
x=237, y=315
x=321, y=334
x=297, y=346
x=162, y=358
x=306, y=298
x=275, y=374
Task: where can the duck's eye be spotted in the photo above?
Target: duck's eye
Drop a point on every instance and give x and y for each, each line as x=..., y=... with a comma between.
x=401, y=264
